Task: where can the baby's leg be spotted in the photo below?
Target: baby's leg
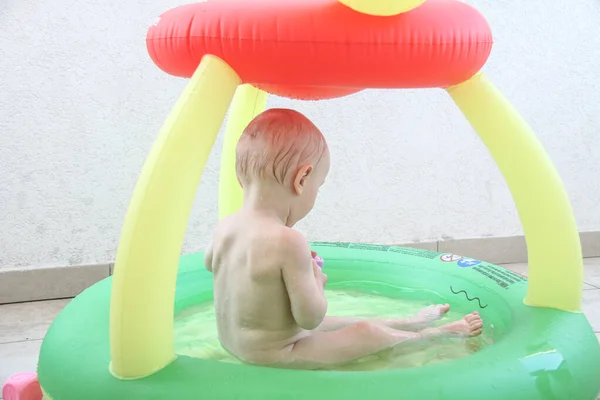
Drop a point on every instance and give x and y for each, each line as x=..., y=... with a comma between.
x=326, y=349
x=417, y=322
x=331, y=348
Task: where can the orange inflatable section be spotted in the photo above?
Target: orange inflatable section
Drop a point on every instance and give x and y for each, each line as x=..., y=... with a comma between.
x=318, y=49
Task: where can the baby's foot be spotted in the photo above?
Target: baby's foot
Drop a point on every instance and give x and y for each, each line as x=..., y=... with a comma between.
x=433, y=313
x=469, y=325
x=428, y=315
x=424, y=317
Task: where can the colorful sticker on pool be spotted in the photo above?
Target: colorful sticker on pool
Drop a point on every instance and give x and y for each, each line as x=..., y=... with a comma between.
x=468, y=262
x=449, y=257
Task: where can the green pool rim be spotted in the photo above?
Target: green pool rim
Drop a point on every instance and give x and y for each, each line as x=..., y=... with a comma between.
x=522, y=364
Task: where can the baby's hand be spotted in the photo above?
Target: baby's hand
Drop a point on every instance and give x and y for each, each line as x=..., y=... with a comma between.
x=318, y=269
x=322, y=279
x=319, y=275
x=316, y=258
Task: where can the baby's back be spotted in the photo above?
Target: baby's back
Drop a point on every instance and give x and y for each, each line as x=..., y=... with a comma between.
x=251, y=302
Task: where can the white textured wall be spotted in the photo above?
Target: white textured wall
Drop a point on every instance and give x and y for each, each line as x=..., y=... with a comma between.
x=81, y=103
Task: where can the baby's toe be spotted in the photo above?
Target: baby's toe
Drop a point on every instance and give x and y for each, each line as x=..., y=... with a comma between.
x=477, y=324
x=471, y=317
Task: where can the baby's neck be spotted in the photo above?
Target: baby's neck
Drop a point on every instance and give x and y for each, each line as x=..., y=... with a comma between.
x=269, y=199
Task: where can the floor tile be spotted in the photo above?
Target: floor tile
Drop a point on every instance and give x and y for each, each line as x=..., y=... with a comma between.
x=592, y=271
x=28, y=321
x=590, y=243
x=18, y=357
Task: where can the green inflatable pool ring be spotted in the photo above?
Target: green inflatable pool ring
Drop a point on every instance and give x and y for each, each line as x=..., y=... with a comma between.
x=531, y=359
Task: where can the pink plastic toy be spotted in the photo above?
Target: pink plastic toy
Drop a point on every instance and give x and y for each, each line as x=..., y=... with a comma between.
x=319, y=261
x=23, y=386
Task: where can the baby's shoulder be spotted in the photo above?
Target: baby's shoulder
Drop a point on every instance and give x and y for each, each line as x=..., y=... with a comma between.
x=226, y=224
x=284, y=242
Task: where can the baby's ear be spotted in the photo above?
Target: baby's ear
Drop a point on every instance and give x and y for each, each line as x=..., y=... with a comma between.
x=300, y=178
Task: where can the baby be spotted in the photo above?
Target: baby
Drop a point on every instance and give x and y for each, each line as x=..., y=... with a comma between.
x=268, y=290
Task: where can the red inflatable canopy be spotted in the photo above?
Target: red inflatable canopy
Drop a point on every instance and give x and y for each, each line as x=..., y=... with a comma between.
x=316, y=49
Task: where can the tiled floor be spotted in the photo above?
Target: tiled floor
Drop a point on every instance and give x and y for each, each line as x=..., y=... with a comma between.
x=23, y=325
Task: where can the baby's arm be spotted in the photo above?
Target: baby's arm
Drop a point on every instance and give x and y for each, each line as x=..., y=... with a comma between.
x=208, y=256
x=307, y=298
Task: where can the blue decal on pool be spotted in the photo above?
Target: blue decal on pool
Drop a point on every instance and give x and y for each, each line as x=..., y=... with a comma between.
x=468, y=262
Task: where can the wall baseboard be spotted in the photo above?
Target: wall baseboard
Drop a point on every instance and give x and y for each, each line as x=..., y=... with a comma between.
x=33, y=284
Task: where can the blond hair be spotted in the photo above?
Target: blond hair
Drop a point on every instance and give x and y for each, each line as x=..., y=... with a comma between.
x=275, y=144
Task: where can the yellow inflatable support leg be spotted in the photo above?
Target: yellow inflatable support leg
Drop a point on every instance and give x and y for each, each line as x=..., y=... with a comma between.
x=382, y=8
x=247, y=103
x=555, y=261
x=143, y=288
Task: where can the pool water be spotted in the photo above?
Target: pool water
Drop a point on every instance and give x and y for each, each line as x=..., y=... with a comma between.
x=196, y=332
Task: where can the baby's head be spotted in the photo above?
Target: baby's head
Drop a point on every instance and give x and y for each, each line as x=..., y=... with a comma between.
x=284, y=148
